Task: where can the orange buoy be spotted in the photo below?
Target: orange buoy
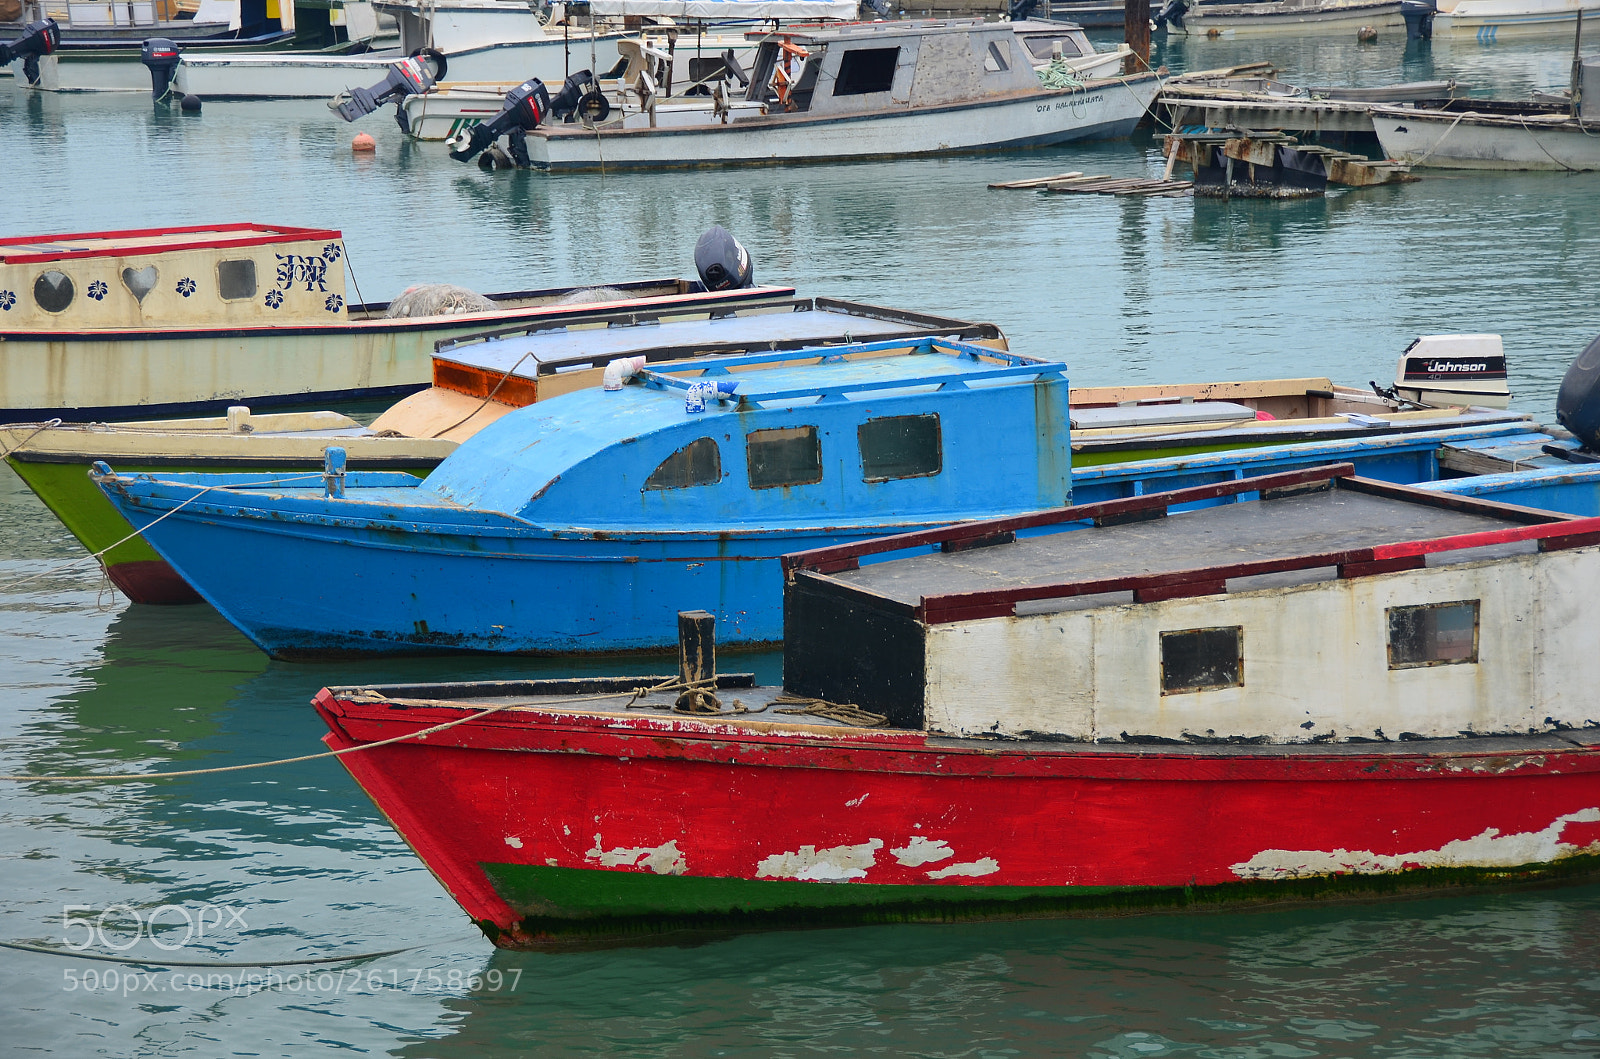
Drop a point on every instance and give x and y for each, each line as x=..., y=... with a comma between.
x=363, y=142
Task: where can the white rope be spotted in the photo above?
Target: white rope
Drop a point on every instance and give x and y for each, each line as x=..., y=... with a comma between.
x=70, y=563
x=672, y=684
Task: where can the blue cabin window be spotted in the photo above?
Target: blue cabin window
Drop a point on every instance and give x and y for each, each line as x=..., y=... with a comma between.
x=697, y=463
x=900, y=447
x=1433, y=634
x=784, y=456
x=866, y=70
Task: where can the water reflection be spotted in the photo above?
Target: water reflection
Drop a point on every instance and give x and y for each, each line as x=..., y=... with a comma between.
x=1503, y=975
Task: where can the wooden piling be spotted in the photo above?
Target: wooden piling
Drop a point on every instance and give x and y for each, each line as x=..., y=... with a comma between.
x=697, y=646
x=1136, y=31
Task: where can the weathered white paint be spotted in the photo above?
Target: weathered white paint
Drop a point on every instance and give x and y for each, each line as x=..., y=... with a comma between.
x=810, y=864
x=1490, y=849
x=1443, y=140
x=1224, y=22
x=664, y=859
x=920, y=851
x=1315, y=661
x=971, y=869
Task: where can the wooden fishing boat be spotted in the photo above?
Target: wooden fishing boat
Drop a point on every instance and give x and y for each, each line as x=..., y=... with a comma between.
x=173, y=321
x=419, y=432
x=1209, y=21
x=871, y=90
x=1302, y=686
x=1261, y=101
x=1490, y=134
x=698, y=78
x=587, y=539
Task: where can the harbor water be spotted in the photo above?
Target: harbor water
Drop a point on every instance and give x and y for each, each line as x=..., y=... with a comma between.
x=177, y=917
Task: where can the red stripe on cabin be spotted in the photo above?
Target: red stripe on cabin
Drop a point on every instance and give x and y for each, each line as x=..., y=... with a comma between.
x=271, y=234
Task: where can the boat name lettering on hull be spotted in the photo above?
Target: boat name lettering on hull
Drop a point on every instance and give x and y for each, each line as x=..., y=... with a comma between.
x=1063, y=104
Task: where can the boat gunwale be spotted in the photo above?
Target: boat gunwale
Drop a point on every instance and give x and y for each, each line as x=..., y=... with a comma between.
x=272, y=233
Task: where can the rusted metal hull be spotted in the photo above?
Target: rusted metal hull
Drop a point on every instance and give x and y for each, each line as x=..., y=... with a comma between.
x=558, y=826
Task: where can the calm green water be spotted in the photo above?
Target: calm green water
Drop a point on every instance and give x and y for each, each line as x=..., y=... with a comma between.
x=294, y=863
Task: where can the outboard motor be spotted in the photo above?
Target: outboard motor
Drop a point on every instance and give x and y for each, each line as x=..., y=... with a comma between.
x=1021, y=10
x=525, y=107
x=38, y=39
x=1419, y=18
x=580, y=98
x=723, y=263
x=1578, y=401
x=160, y=55
x=1172, y=13
x=1465, y=370
x=411, y=76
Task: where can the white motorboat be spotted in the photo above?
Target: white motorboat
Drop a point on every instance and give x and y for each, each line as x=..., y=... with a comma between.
x=866, y=90
x=710, y=62
x=1260, y=101
x=1272, y=18
x=1491, y=20
x=482, y=40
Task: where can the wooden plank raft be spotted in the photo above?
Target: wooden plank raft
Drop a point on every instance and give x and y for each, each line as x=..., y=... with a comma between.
x=1076, y=183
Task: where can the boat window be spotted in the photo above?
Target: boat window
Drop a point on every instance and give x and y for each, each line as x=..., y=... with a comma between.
x=1043, y=47
x=1433, y=634
x=53, y=291
x=784, y=456
x=997, y=59
x=866, y=70
x=236, y=279
x=899, y=447
x=1202, y=659
x=697, y=463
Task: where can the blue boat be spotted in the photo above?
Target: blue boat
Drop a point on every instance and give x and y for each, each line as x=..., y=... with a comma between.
x=587, y=521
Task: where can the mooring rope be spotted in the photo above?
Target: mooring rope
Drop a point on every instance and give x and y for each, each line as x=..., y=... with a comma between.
x=49, y=424
x=67, y=564
x=369, y=696
x=842, y=712
x=1439, y=141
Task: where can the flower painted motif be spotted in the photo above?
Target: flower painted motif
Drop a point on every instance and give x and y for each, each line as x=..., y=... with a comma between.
x=7, y=300
x=334, y=303
x=97, y=290
x=186, y=286
x=331, y=252
x=274, y=298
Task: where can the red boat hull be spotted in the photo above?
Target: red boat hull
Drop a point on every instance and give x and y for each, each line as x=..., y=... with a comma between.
x=551, y=827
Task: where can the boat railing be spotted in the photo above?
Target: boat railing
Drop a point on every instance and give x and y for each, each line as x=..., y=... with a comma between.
x=1012, y=365
x=1551, y=530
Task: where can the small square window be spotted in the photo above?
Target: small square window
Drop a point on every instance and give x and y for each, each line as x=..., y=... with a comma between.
x=784, y=456
x=899, y=447
x=1202, y=659
x=1433, y=634
x=236, y=279
x=996, y=62
x=697, y=463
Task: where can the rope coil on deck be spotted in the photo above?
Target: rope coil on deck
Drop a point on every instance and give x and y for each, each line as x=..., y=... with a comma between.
x=842, y=712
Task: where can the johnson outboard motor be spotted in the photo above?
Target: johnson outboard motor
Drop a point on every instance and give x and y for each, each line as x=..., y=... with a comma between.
x=525, y=107
x=38, y=39
x=1172, y=13
x=1578, y=401
x=411, y=76
x=723, y=263
x=160, y=56
x=1419, y=18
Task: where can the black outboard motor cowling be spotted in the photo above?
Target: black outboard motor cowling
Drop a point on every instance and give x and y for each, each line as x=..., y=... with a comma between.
x=38, y=39
x=526, y=106
x=1172, y=13
x=160, y=56
x=410, y=76
x=1419, y=18
x=1578, y=401
x=723, y=263
x=1021, y=10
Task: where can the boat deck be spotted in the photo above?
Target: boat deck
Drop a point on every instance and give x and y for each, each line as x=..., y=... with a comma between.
x=1317, y=523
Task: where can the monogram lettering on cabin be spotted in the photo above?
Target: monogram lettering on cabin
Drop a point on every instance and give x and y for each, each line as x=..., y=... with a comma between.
x=302, y=268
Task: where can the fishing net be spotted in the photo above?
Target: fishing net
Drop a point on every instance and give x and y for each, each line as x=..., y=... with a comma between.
x=437, y=299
